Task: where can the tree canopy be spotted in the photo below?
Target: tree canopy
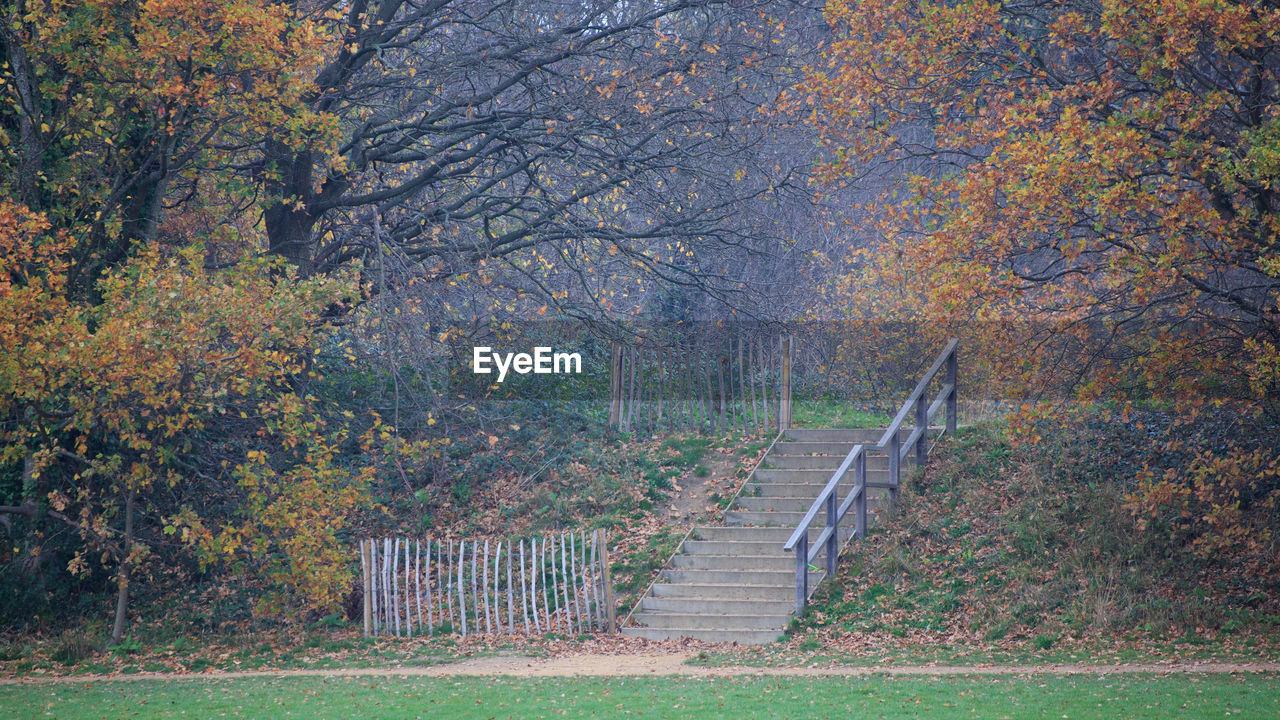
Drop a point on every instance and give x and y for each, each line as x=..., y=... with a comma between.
x=1088, y=190
x=1103, y=171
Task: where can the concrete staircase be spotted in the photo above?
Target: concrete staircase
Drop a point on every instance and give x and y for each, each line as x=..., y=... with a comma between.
x=733, y=582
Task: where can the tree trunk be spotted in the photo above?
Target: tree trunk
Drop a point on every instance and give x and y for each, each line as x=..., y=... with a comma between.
x=123, y=572
x=289, y=221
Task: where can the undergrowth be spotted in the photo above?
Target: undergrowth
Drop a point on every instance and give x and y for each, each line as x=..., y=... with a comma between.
x=1006, y=544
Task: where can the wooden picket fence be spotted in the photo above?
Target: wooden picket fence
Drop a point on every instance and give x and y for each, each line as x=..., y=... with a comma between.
x=544, y=584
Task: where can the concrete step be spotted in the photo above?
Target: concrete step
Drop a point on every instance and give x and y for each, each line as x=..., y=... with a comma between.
x=782, y=504
x=836, y=449
x=715, y=621
x=780, y=593
x=774, y=504
x=718, y=604
x=740, y=637
x=802, y=490
x=733, y=547
x=818, y=462
x=815, y=476
x=791, y=448
x=775, y=519
x=854, y=435
x=697, y=576
x=744, y=534
x=779, y=561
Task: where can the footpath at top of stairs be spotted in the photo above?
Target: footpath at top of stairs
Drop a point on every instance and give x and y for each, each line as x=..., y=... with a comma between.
x=851, y=436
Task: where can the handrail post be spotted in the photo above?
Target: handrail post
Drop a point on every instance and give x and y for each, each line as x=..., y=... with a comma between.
x=922, y=426
x=895, y=469
x=952, y=374
x=860, y=505
x=802, y=573
x=833, y=537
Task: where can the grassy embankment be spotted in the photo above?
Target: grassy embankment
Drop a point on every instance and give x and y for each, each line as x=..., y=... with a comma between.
x=1013, y=553
x=620, y=482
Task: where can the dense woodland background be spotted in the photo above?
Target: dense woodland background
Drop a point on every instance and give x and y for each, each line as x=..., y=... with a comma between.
x=244, y=246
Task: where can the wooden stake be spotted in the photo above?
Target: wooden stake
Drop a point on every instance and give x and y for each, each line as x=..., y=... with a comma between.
x=662, y=380
x=484, y=590
x=364, y=588
x=631, y=400
x=475, y=576
x=597, y=559
x=725, y=420
x=679, y=400
x=394, y=606
x=757, y=365
x=573, y=570
x=593, y=598
x=462, y=586
x=695, y=386
x=564, y=590
x=431, y=618
x=497, y=605
x=711, y=399
x=408, y=593
x=551, y=587
x=373, y=586
x=417, y=580
x=648, y=414
x=448, y=578
x=388, y=596
x=408, y=629
x=586, y=583
x=542, y=569
x=524, y=591
x=744, y=391
x=533, y=584
x=784, y=390
x=608, y=582
x=615, y=388
x=511, y=610
x=562, y=596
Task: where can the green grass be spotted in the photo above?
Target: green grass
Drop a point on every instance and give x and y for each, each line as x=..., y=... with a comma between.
x=810, y=651
x=352, y=698
x=834, y=414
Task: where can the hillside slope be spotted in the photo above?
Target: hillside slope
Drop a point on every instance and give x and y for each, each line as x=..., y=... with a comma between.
x=1001, y=545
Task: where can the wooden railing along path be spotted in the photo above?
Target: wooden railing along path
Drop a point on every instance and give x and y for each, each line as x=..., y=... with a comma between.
x=829, y=539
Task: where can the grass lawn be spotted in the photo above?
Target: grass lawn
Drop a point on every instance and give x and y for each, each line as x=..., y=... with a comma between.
x=833, y=414
x=352, y=698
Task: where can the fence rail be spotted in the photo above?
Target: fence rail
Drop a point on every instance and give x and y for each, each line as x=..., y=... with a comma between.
x=828, y=501
x=509, y=586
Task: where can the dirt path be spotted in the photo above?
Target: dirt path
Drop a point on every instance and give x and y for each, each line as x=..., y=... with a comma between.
x=691, y=502
x=674, y=665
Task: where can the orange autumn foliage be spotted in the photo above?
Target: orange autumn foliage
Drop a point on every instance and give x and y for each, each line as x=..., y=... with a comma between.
x=1088, y=192
x=113, y=400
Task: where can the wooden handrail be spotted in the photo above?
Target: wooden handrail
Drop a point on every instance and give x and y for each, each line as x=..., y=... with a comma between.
x=822, y=496
x=929, y=374
x=829, y=539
